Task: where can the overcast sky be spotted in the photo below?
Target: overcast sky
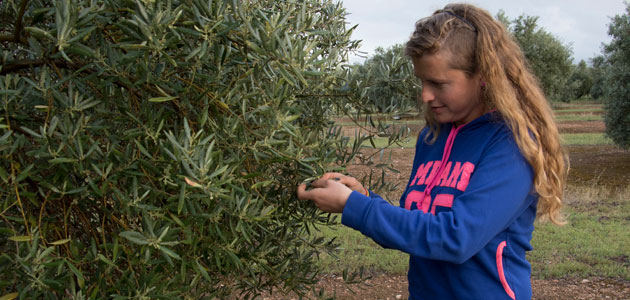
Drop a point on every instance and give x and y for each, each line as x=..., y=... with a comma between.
x=583, y=24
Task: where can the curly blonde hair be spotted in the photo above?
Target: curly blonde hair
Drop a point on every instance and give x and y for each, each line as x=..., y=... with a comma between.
x=483, y=45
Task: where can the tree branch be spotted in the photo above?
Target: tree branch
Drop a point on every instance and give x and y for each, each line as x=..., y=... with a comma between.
x=14, y=66
x=11, y=67
x=17, y=36
x=18, y=22
x=6, y=38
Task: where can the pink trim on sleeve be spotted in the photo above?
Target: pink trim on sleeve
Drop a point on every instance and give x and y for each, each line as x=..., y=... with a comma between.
x=504, y=282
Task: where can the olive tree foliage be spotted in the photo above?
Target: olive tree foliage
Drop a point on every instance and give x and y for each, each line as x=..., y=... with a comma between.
x=617, y=82
x=388, y=80
x=580, y=83
x=549, y=59
x=598, y=71
x=151, y=149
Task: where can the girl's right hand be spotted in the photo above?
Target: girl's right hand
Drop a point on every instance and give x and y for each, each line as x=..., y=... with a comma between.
x=348, y=181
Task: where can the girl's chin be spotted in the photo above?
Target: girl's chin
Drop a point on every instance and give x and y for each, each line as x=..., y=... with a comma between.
x=443, y=118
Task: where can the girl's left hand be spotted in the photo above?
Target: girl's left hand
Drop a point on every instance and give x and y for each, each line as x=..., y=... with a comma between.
x=328, y=195
x=349, y=181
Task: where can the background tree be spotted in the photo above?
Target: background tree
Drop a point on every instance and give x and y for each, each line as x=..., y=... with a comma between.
x=503, y=18
x=549, y=59
x=580, y=82
x=387, y=76
x=617, y=84
x=598, y=73
x=151, y=149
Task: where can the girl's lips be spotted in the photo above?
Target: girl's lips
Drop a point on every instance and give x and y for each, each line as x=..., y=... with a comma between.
x=437, y=108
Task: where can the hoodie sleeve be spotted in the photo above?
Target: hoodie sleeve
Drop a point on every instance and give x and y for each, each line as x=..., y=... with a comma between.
x=499, y=191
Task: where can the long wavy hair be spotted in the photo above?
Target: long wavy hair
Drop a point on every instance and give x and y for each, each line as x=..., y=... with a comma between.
x=477, y=43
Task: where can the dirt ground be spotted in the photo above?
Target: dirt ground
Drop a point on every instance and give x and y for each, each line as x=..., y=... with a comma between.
x=581, y=127
x=393, y=287
x=599, y=165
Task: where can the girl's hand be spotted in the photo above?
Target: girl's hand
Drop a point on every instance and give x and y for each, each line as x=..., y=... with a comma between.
x=331, y=191
x=349, y=181
x=328, y=195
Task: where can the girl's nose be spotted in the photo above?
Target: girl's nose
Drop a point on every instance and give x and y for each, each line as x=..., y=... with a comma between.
x=427, y=95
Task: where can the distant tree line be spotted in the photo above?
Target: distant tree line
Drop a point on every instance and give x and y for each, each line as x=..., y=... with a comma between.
x=605, y=78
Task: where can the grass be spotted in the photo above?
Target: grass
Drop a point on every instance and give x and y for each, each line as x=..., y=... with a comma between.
x=594, y=242
x=355, y=250
x=581, y=110
x=575, y=104
x=578, y=117
x=585, y=139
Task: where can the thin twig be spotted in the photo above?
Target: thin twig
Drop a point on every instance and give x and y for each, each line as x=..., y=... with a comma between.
x=18, y=22
x=11, y=67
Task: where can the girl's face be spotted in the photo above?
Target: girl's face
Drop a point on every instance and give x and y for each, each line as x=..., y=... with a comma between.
x=451, y=94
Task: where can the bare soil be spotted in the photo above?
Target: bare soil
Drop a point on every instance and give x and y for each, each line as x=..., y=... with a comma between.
x=392, y=287
x=581, y=127
x=605, y=165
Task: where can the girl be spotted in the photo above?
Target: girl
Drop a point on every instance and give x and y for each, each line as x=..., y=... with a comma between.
x=487, y=163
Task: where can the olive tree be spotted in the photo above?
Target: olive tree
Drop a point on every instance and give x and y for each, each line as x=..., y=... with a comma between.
x=548, y=58
x=388, y=80
x=151, y=149
x=598, y=71
x=580, y=83
x=617, y=80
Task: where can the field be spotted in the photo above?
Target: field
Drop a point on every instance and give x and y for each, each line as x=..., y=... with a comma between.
x=589, y=258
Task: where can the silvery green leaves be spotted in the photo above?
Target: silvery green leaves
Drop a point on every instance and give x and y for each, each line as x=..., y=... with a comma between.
x=386, y=82
x=160, y=240
x=164, y=140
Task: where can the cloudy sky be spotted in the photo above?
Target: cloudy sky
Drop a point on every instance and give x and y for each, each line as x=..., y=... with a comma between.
x=583, y=24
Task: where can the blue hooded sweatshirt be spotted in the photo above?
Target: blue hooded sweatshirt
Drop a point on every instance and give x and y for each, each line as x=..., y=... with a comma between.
x=466, y=223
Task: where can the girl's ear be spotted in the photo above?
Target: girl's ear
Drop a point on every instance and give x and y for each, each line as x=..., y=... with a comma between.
x=482, y=82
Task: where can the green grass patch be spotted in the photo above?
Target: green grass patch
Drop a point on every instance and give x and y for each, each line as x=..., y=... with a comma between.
x=580, y=110
x=585, y=139
x=579, y=117
x=594, y=242
x=590, y=245
x=576, y=104
x=356, y=250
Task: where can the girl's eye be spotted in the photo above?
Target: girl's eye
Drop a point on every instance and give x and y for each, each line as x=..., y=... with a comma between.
x=436, y=84
x=433, y=84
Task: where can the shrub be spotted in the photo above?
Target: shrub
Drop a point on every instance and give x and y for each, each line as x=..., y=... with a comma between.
x=151, y=149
